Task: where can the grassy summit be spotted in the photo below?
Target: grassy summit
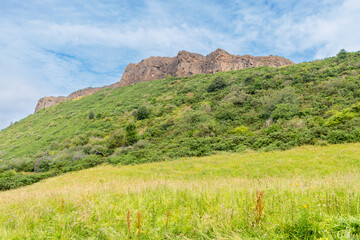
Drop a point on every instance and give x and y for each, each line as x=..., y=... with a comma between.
x=260, y=109
x=308, y=192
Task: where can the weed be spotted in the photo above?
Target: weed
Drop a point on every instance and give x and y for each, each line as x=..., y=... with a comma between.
x=259, y=207
x=128, y=215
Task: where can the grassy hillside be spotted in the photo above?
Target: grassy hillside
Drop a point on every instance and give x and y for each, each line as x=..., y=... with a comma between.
x=309, y=192
x=260, y=109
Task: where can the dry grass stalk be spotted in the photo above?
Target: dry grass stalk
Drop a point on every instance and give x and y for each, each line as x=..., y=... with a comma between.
x=128, y=223
x=259, y=207
x=138, y=224
x=167, y=219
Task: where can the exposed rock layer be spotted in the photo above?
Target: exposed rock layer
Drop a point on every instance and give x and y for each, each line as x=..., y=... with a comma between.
x=183, y=65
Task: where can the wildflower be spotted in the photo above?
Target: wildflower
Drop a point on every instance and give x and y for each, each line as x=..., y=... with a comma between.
x=305, y=205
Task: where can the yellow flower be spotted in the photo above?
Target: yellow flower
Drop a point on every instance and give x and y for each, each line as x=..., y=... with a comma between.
x=305, y=206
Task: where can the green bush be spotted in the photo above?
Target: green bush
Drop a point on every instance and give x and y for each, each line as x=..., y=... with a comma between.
x=91, y=115
x=217, y=84
x=285, y=111
x=116, y=139
x=338, y=136
x=142, y=113
x=42, y=164
x=131, y=136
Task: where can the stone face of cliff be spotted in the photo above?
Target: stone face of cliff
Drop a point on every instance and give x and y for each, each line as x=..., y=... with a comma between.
x=48, y=102
x=185, y=64
x=51, y=101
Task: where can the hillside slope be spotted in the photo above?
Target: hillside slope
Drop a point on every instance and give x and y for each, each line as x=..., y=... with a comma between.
x=261, y=108
x=185, y=64
x=308, y=192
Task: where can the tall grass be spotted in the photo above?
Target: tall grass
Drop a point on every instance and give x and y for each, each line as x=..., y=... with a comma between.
x=304, y=193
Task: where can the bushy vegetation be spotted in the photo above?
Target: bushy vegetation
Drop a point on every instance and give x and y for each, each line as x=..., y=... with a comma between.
x=260, y=108
x=309, y=192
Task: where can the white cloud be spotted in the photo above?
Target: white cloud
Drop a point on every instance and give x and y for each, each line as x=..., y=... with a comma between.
x=324, y=31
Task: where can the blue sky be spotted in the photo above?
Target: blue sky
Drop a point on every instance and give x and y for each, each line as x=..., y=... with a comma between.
x=52, y=48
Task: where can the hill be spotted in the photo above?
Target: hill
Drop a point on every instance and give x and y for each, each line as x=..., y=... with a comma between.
x=309, y=192
x=185, y=64
x=260, y=108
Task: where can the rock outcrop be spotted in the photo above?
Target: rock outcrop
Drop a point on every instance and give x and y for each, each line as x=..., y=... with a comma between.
x=48, y=102
x=51, y=101
x=185, y=64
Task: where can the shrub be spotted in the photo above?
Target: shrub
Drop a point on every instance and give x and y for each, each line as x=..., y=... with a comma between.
x=100, y=150
x=80, y=140
x=131, y=134
x=42, y=164
x=142, y=113
x=91, y=115
x=285, y=110
x=342, y=55
x=10, y=180
x=116, y=139
x=256, y=86
x=240, y=130
x=217, y=84
x=337, y=136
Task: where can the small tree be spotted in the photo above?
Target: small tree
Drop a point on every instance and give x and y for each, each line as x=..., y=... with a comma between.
x=342, y=55
x=131, y=134
x=91, y=115
x=216, y=84
x=142, y=113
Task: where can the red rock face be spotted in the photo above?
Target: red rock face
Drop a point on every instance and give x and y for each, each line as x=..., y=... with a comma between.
x=185, y=64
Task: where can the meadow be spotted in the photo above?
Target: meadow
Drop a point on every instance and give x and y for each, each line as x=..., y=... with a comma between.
x=308, y=192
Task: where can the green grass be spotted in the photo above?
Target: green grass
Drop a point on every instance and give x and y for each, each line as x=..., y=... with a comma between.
x=309, y=192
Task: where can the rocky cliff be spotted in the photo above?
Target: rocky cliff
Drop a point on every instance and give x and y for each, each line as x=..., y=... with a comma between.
x=183, y=65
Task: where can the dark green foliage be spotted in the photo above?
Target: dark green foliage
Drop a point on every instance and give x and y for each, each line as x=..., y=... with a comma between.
x=342, y=55
x=216, y=84
x=91, y=115
x=257, y=108
x=11, y=179
x=142, y=113
x=256, y=86
x=285, y=111
x=131, y=136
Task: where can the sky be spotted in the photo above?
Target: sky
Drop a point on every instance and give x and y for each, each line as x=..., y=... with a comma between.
x=52, y=48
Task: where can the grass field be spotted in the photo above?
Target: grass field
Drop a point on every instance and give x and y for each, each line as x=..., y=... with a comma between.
x=305, y=193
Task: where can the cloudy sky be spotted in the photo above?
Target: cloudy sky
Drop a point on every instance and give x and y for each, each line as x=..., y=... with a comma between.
x=51, y=48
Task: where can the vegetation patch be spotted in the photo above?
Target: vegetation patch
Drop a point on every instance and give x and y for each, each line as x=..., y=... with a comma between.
x=260, y=109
